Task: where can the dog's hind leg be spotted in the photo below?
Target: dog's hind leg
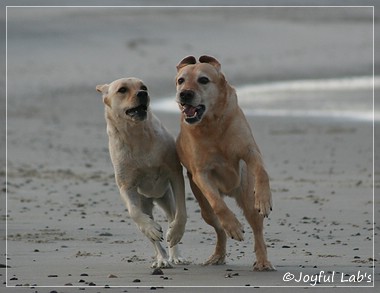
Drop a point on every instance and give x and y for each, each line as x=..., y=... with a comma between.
x=161, y=257
x=161, y=260
x=219, y=255
x=245, y=198
x=256, y=222
x=167, y=203
x=140, y=210
x=175, y=256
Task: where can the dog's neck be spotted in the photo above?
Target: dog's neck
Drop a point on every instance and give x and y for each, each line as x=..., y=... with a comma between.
x=126, y=128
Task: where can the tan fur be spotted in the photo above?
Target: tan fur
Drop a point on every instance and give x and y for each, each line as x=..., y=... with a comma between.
x=221, y=156
x=146, y=165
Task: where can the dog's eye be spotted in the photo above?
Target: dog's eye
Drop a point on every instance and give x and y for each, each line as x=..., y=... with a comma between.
x=203, y=80
x=143, y=88
x=180, y=80
x=122, y=90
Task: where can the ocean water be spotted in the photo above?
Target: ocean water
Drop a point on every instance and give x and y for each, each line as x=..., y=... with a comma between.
x=340, y=98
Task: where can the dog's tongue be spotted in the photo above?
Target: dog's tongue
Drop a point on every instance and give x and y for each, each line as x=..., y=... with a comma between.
x=189, y=110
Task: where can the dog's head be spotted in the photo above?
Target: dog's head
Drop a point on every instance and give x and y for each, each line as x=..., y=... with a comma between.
x=200, y=87
x=126, y=98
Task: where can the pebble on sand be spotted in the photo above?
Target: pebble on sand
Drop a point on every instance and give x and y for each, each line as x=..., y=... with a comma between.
x=157, y=271
x=112, y=276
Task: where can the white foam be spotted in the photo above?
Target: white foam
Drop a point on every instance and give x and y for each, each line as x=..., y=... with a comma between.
x=347, y=115
x=279, y=90
x=337, y=84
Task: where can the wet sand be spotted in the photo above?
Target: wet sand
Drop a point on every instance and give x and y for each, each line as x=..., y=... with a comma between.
x=67, y=221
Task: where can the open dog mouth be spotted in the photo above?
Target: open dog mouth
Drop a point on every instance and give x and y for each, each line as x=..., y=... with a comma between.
x=138, y=113
x=192, y=114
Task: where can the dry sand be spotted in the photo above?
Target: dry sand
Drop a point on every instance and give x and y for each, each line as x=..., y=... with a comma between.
x=66, y=223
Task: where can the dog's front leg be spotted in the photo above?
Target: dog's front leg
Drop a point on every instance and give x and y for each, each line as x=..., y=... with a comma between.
x=161, y=260
x=263, y=195
x=150, y=228
x=177, y=226
x=228, y=220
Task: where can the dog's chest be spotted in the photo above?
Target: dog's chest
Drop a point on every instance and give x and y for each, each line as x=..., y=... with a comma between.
x=141, y=168
x=224, y=171
x=225, y=174
x=152, y=182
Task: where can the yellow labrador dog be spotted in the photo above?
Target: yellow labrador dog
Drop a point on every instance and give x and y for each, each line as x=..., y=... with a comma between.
x=146, y=165
x=217, y=148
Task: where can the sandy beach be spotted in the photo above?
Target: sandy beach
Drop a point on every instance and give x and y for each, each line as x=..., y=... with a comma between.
x=67, y=228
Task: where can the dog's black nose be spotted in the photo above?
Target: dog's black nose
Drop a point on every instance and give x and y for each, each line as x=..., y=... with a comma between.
x=186, y=94
x=143, y=97
x=142, y=94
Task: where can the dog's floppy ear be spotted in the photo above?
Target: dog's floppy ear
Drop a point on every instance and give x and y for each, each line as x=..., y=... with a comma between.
x=186, y=61
x=210, y=60
x=104, y=90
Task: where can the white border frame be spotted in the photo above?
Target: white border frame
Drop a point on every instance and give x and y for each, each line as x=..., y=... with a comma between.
x=148, y=286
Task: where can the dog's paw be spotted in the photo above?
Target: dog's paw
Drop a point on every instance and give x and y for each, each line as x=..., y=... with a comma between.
x=178, y=260
x=263, y=266
x=175, y=256
x=161, y=263
x=233, y=228
x=175, y=233
x=151, y=229
x=263, y=202
x=215, y=259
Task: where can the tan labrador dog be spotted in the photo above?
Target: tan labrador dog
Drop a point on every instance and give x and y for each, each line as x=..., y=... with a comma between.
x=217, y=148
x=147, y=168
